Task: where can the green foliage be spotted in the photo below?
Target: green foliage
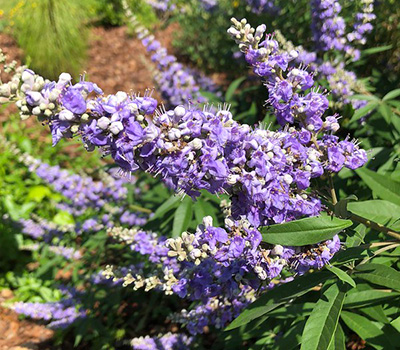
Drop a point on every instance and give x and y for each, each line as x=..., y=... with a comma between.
x=52, y=34
x=304, y=231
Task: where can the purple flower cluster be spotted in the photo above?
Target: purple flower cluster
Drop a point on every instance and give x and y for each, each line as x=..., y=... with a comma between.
x=327, y=25
x=167, y=341
x=362, y=25
x=177, y=83
x=61, y=313
x=82, y=191
x=263, y=6
x=342, y=83
x=220, y=269
x=66, y=252
x=216, y=311
x=329, y=28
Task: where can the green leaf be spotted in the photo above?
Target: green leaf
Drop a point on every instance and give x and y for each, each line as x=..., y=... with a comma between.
x=271, y=299
x=233, y=87
x=368, y=297
x=396, y=324
x=171, y=203
x=382, y=185
x=63, y=218
x=366, y=329
x=386, y=112
x=363, y=111
x=364, y=97
x=380, y=211
x=376, y=313
x=320, y=327
x=342, y=275
x=37, y=193
x=304, y=231
x=338, y=342
x=374, y=50
x=182, y=217
x=391, y=95
x=379, y=274
x=291, y=338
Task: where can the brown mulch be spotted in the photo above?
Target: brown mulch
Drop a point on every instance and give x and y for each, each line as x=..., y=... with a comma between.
x=18, y=334
x=118, y=61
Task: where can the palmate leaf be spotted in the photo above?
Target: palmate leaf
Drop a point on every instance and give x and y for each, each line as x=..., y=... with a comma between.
x=381, y=185
x=320, y=328
x=304, y=231
x=278, y=296
x=379, y=274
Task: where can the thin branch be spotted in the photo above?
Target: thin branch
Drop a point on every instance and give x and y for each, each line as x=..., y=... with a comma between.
x=375, y=226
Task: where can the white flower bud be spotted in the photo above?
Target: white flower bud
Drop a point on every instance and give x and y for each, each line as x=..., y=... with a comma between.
x=85, y=117
x=233, y=179
x=48, y=112
x=196, y=144
x=5, y=90
x=310, y=127
x=27, y=77
x=64, y=78
x=116, y=127
x=288, y=179
x=179, y=111
x=103, y=123
x=207, y=221
x=174, y=134
x=74, y=128
x=277, y=250
x=35, y=97
x=24, y=109
x=36, y=111
x=66, y=115
x=53, y=96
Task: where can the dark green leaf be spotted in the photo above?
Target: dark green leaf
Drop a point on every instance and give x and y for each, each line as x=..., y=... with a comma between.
x=320, y=327
x=338, y=342
x=171, y=203
x=363, y=111
x=382, y=185
x=304, y=231
x=291, y=338
x=379, y=274
x=374, y=50
x=386, y=112
x=342, y=275
x=380, y=211
x=182, y=217
x=271, y=299
x=391, y=95
x=368, y=297
x=376, y=313
x=233, y=87
x=366, y=329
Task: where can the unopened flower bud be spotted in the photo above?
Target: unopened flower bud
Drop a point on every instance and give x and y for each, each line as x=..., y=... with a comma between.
x=103, y=123
x=116, y=127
